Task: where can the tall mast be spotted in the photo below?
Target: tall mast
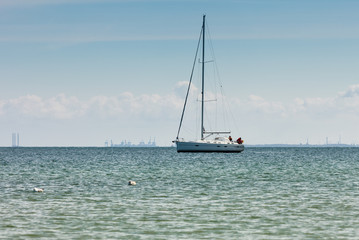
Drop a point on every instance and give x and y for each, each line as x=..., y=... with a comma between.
x=203, y=40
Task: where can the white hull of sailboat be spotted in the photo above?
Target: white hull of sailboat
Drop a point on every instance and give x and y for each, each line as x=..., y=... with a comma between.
x=203, y=146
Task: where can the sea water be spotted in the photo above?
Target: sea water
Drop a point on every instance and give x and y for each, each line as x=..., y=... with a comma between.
x=261, y=193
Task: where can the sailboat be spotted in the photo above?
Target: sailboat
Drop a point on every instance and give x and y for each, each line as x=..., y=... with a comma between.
x=205, y=144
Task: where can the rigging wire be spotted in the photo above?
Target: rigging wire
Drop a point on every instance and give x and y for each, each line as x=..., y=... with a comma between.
x=189, y=85
x=226, y=110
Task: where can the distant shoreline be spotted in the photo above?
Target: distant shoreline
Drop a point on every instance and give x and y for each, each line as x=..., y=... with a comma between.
x=247, y=146
x=305, y=145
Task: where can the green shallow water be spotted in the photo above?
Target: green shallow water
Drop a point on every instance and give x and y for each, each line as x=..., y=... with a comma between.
x=262, y=193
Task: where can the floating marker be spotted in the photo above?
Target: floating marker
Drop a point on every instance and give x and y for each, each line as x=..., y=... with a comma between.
x=131, y=183
x=38, y=190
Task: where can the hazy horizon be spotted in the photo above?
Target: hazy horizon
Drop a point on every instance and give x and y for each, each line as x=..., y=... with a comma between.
x=78, y=73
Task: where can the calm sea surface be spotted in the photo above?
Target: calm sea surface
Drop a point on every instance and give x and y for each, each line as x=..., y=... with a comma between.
x=262, y=193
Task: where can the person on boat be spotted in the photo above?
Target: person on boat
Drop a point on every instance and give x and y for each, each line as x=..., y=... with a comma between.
x=230, y=138
x=239, y=140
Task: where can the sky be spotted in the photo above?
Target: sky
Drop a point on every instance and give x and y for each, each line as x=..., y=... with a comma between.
x=79, y=73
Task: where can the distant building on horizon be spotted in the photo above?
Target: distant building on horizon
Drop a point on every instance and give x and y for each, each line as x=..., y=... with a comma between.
x=15, y=140
x=126, y=143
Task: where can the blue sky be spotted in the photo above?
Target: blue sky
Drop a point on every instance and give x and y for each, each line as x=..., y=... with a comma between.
x=77, y=73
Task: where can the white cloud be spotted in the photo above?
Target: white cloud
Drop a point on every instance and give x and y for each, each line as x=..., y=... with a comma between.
x=154, y=106
x=346, y=102
x=353, y=91
x=181, y=89
x=259, y=120
x=59, y=107
x=259, y=105
x=127, y=105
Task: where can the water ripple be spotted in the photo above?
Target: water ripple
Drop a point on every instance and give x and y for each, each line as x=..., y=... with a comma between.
x=263, y=193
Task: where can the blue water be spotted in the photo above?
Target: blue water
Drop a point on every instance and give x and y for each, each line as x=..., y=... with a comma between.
x=262, y=193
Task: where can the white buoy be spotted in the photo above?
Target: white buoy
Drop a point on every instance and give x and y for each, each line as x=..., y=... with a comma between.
x=131, y=183
x=38, y=189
